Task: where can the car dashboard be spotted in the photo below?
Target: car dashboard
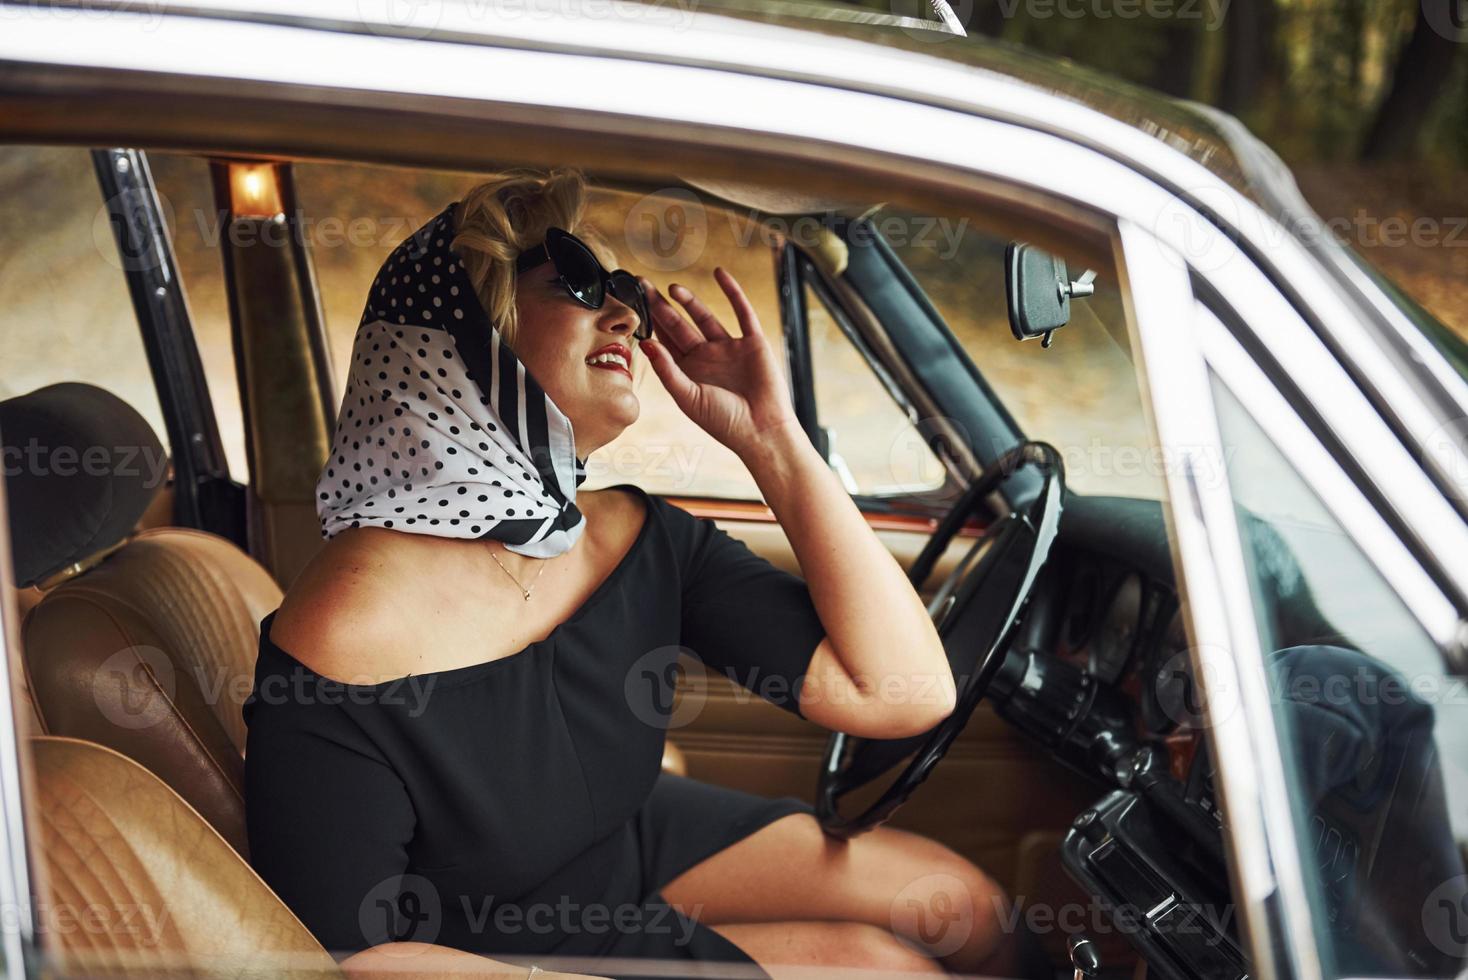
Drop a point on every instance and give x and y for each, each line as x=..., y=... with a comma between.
x=1099, y=673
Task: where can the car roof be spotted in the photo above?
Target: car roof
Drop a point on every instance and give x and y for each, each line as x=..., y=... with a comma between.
x=1187, y=127
x=778, y=37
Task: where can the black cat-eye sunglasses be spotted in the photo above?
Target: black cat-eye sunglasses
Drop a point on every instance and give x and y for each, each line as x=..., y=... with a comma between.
x=585, y=278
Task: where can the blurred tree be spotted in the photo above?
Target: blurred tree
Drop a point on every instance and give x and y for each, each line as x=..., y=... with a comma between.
x=1251, y=63
x=1317, y=79
x=1175, y=69
x=1423, y=68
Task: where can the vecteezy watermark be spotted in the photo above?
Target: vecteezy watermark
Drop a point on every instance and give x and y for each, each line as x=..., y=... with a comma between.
x=1203, y=224
x=1445, y=917
x=666, y=688
x=1193, y=700
x=75, y=10
x=941, y=234
x=123, y=232
x=419, y=18
x=915, y=451
x=1206, y=465
x=401, y=908
x=933, y=915
x=135, y=688
x=1446, y=447
x=40, y=460
x=138, y=250
x=669, y=229
x=1095, y=918
x=411, y=908
x=566, y=917
x=1210, y=12
x=674, y=466
x=1448, y=18
x=410, y=692
x=142, y=924
x=937, y=914
x=1300, y=679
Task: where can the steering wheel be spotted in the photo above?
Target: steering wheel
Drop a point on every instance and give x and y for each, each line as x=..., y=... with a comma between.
x=999, y=571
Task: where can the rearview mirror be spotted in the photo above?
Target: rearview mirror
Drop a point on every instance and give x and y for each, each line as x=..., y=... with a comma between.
x=1039, y=290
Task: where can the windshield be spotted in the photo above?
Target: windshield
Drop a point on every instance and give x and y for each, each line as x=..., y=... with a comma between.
x=1080, y=394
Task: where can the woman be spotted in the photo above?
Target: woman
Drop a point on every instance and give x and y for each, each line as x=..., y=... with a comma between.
x=457, y=723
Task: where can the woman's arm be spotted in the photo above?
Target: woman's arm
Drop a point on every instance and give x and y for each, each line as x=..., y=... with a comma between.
x=425, y=961
x=881, y=671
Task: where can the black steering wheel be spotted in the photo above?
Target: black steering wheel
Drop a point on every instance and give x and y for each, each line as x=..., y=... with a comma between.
x=999, y=571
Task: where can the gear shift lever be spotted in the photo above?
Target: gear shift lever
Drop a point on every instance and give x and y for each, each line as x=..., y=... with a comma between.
x=1084, y=957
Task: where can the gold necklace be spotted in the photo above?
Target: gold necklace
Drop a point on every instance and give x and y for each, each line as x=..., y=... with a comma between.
x=543, y=563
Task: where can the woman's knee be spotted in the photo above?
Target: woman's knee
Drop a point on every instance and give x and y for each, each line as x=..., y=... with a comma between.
x=835, y=944
x=948, y=903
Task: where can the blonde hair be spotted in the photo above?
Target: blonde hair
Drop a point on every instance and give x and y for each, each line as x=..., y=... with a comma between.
x=509, y=213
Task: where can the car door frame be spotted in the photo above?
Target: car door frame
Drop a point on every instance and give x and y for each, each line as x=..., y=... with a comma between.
x=954, y=151
x=872, y=337
x=205, y=496
x=1177, y=354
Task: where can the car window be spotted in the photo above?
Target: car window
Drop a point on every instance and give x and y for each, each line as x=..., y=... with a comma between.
x=1081, y=394
x=356, y=215
x=1374, y=729
x=872, y=444
x=68, y=315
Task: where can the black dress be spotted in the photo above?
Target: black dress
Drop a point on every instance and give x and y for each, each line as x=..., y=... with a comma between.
x=517, y=806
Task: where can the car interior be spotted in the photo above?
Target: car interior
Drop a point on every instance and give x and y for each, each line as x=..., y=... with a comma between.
x=1077, y=773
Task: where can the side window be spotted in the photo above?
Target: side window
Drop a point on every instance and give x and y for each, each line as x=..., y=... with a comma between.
x=1374, y=730
x=871, y=443
x=360, y=213
x=1081, y=394
x=68, y=315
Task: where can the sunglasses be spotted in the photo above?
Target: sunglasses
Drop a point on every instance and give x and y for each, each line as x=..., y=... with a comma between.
x=585, y=278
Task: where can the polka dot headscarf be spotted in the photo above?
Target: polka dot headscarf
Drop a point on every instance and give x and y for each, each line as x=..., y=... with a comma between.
x=442, y=430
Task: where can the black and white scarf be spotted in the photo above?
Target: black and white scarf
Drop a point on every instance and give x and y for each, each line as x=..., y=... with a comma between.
x=441, y=430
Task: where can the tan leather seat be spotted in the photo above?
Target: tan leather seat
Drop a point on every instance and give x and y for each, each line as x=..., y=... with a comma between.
x=151, y=653
x=135, y=881
x=143, y=642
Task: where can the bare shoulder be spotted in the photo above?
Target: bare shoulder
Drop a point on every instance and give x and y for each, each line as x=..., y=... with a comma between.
x=344, y=614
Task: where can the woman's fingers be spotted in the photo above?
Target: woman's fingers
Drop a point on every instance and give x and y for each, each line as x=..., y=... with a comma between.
x=743, y=308
x=669, y=324
x=682, y=336
x=701, y=314
x=679, y=385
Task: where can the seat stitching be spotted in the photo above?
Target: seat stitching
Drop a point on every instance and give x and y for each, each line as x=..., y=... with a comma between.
x=87, y=594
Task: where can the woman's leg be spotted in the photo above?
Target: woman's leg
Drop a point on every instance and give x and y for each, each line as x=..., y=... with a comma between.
x=925, y=894
x=796, y=950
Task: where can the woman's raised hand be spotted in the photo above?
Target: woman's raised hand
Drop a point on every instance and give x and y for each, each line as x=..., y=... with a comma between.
x=731, y=387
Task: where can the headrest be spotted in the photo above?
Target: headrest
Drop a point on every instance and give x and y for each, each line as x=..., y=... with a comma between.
x=81, y=466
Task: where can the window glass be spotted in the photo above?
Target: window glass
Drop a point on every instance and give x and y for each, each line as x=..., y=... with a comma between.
x=873, y=446
x=1375, y=731
x=67, y=313
x=668, y=236
x=1081, y=394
